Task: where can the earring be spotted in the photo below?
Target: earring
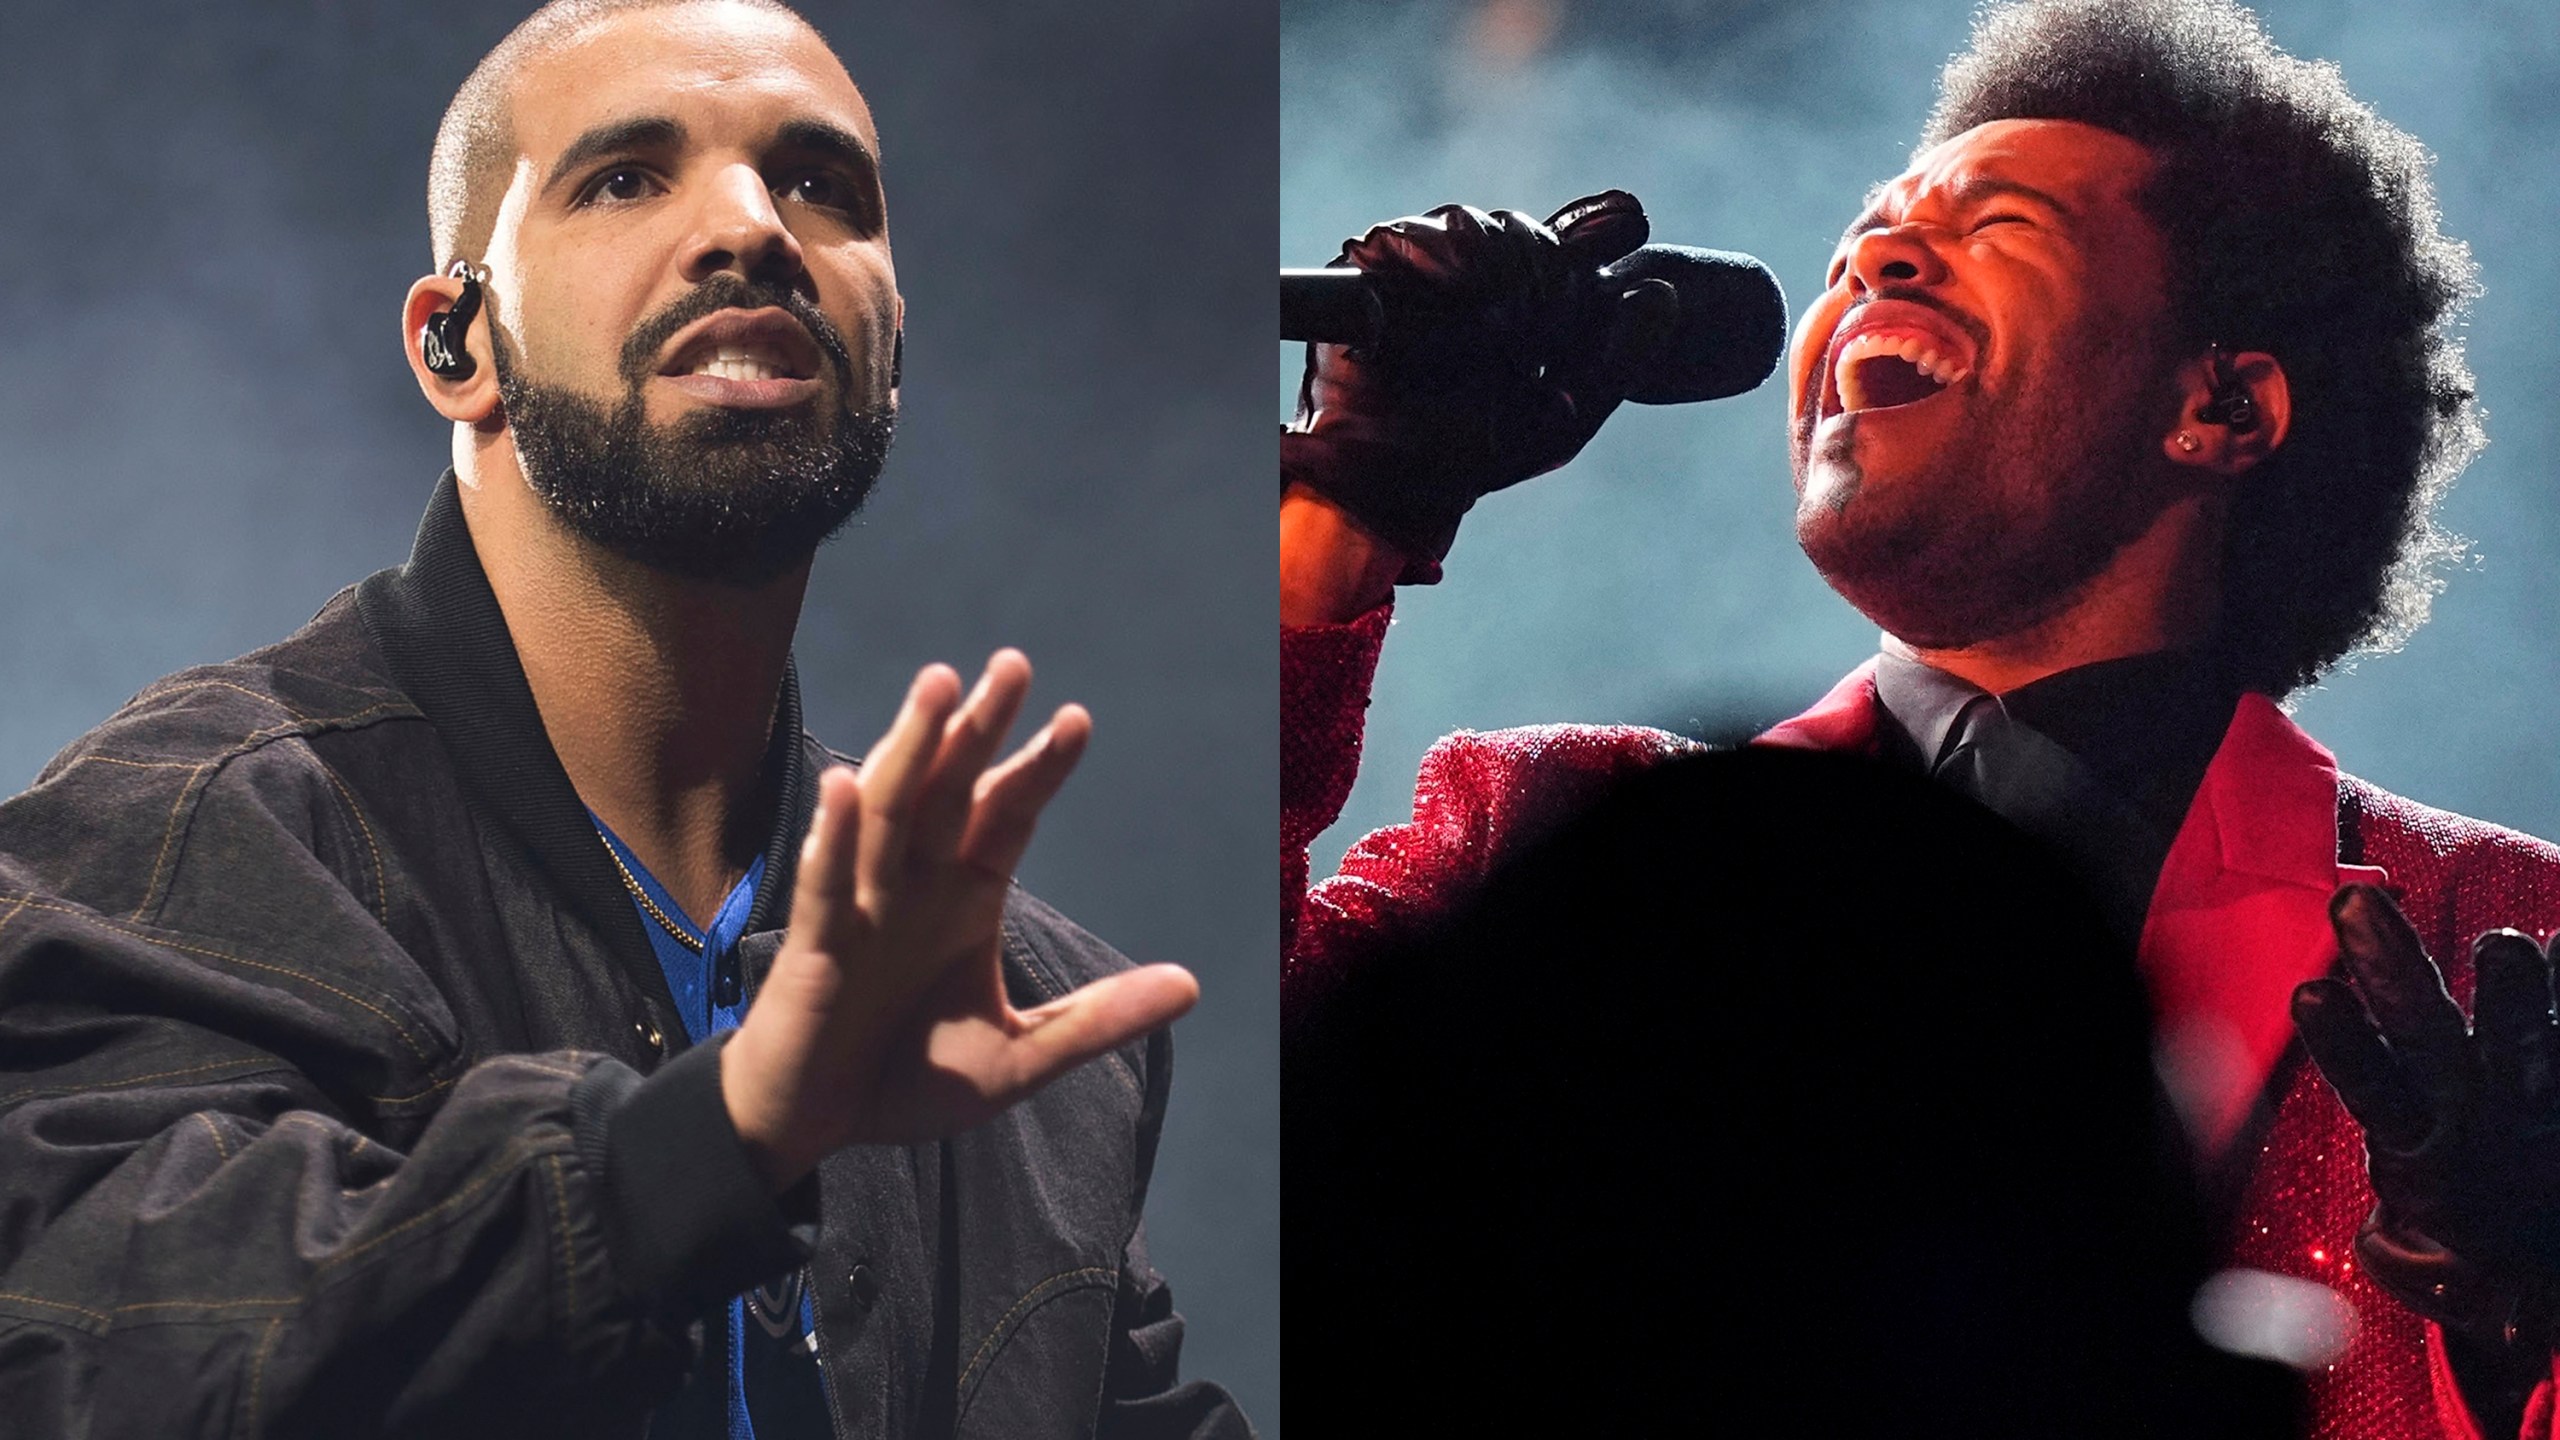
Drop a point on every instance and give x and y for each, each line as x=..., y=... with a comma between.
x=2189, y=443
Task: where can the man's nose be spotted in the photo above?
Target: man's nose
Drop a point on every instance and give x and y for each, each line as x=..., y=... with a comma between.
x=738, y=228
x=1894, y=255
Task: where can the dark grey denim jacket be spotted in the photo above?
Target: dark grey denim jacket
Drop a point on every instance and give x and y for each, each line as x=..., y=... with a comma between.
x=333, y=1099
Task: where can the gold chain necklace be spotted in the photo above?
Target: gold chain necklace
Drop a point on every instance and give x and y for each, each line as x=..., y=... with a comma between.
x=631, y=882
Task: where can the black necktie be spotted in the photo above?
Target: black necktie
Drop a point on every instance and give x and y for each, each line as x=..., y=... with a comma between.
x=2025, y=778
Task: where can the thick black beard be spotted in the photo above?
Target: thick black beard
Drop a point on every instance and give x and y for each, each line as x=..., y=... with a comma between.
x=733, y=496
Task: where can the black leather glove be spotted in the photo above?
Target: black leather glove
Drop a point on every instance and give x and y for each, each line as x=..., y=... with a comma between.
x=2461, y=1122
x=1495, y=369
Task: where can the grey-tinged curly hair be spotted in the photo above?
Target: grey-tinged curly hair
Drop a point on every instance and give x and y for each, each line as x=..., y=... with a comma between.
x=2299, y=223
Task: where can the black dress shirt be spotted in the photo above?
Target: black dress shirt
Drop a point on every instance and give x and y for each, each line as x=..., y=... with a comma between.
x=2100, y=761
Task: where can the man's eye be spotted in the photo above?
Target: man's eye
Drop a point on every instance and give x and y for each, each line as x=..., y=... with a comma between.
x=625, y=182
x=2000, y=219
x=822, y=190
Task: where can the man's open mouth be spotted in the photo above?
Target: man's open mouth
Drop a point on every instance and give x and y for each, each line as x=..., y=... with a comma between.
x=745, y=346
x=1890, y=361
x=744, y=362
x=1880, y=371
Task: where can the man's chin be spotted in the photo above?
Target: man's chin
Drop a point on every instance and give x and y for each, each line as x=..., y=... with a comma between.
x=737, y=496
x=1901, y=565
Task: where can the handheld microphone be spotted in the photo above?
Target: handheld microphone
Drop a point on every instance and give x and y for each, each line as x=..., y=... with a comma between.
x=1731, y=329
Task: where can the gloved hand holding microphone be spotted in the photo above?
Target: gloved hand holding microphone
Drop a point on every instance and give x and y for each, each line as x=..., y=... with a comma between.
x=1502, y=344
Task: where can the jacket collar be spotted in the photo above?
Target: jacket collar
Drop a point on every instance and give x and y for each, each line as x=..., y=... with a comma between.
x=2267, y=807
x=1845, y=719
x=440, y=630
x=2240, y=914
x=2271, y=800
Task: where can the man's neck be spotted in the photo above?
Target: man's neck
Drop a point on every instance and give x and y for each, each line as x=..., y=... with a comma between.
x=658, y=692
x=2161, y=592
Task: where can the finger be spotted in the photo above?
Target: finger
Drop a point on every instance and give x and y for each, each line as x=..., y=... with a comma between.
x=896, y=769
x=822, y=893
x=1601, y=229
x=1421, y=253
x=2341, y=1040
x=1011, y=796
x=2511, y=1019
x=2401, y=988
x=1524, y=272
x=1102, y=1016
x=969, y=741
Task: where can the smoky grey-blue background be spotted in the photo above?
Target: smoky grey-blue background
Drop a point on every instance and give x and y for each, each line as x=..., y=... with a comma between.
x=206, y=428
x=1657, y=580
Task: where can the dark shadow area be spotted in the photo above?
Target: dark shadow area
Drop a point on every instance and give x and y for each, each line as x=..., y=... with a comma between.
x=1778, y=1085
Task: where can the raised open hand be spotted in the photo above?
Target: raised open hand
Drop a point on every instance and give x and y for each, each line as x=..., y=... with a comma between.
x=884, y=1017
x=2461, y=1118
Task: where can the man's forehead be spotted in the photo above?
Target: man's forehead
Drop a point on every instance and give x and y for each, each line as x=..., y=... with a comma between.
x=2065, y=159
x=676, y=59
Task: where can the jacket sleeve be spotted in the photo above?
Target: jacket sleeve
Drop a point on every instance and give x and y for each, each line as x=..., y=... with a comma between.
x=1143, y=1394
x=251, y=1181
x=1477, y=799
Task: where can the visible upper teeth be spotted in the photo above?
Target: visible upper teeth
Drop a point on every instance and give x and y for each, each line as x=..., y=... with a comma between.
x=739, y=362
x=1923, y=356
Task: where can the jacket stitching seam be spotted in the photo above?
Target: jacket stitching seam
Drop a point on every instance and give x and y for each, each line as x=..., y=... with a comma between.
x=302, y=726
x=258, y=1368
x=47, y=1092
x=444, y=1084
x=220, y=1145
x=506, y=1163
x=262, y=1302
x=1031, y=1297
x=168, y=837
x=381, y=885
x=58, y=1305
x=208, y=683
x=387, y=1018
x=568, y=1251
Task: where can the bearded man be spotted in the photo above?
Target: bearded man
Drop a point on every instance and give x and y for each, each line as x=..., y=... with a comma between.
x=2123, y=412
x=403, y=1029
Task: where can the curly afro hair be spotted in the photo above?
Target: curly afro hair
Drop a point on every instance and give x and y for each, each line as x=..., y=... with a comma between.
x=2299, y=223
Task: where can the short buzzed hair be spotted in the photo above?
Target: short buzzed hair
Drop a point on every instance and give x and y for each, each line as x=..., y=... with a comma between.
x=476, y=143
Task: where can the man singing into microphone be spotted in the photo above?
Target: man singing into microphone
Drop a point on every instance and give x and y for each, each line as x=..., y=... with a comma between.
x=2122, y=411
x=488, y=1007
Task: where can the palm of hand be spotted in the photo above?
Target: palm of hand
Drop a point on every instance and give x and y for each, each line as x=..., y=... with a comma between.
x=884, y=1018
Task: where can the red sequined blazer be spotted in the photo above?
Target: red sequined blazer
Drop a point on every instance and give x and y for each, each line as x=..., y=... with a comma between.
x=2239, y=918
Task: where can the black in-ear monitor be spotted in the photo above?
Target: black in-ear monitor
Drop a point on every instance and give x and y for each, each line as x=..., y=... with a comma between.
x=440, y=343
x=2232, y=405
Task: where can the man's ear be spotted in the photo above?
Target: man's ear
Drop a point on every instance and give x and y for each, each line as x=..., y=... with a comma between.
x=2233, y=411
x=465, y=400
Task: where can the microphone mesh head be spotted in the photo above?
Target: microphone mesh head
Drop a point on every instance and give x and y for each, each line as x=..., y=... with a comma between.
x=1732, y=327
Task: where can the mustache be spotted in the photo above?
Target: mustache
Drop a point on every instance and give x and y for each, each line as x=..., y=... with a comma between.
x=728, y=292
x=1972, y=328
